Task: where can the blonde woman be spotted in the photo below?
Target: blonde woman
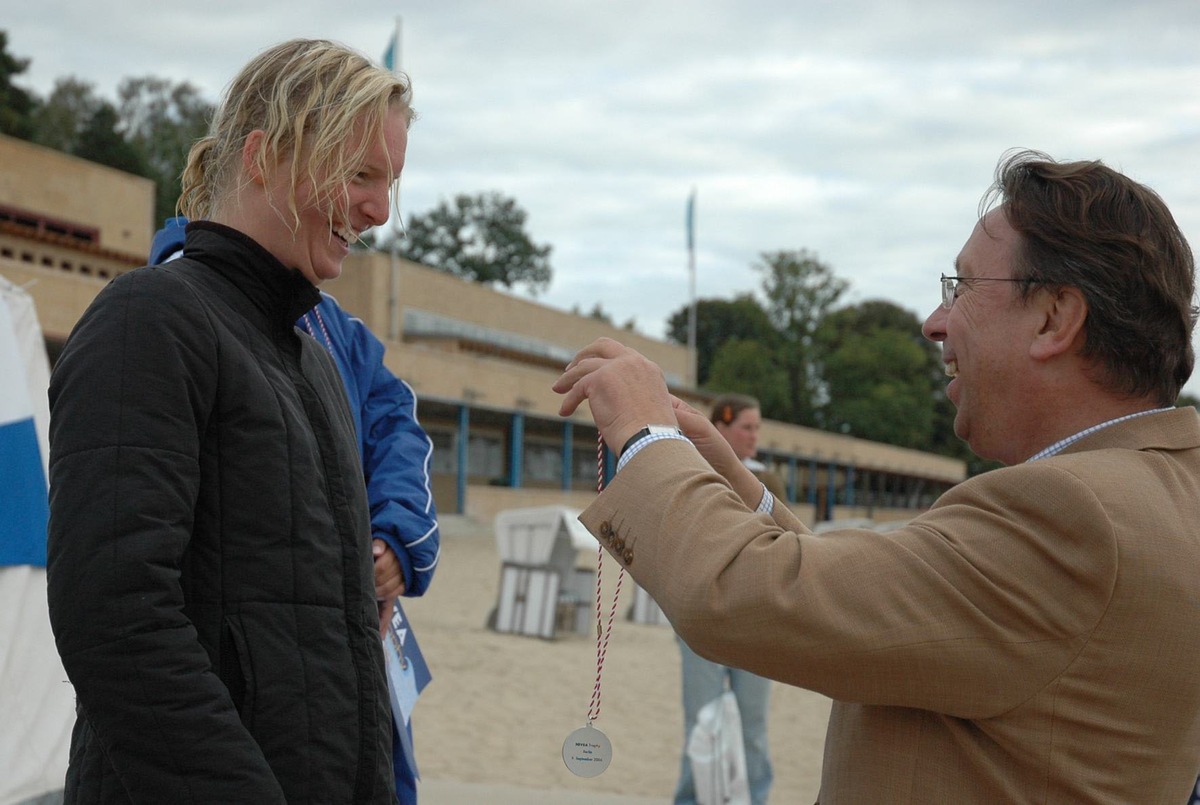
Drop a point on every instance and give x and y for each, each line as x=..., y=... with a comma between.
x=210, y=566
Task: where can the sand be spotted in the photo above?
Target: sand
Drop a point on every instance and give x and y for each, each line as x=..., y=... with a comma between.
x=491, y=725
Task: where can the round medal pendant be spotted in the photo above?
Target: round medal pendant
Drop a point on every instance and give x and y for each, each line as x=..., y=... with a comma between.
x=587, y=751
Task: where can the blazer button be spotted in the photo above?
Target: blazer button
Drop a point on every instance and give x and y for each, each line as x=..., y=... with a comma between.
x=606, y=529
x=619, y=545
x=628, y=556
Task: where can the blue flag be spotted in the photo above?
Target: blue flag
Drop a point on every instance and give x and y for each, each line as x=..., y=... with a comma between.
x=389, y=55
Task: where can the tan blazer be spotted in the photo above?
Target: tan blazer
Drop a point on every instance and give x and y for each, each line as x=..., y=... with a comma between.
x=1033, y=638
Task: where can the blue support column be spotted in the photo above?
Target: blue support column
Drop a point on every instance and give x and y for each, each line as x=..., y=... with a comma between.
x=812, y=481
x=568, y=455
x=516, y=450
x=610, y=465
x=464, y=436
x=850, y=484
x=831, y=489
x=791, y=479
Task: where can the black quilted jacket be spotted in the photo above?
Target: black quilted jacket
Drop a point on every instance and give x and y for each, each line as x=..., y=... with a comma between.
x=210, y=574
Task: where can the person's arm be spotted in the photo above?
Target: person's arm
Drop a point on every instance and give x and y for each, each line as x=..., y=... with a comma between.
x=129, y=400
x=855, y=614
x=396, y=455
x=972, y=588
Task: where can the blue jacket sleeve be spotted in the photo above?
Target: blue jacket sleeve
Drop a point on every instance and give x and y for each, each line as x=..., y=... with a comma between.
x=396, y=451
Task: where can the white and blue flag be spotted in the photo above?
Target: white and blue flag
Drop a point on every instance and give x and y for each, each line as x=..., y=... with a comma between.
x=23, y=502
x=37, y=704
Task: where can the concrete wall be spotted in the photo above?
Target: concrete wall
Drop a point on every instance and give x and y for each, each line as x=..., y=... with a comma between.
x=66, y=188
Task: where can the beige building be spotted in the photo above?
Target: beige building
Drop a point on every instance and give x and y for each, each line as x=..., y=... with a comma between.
x=481, y=361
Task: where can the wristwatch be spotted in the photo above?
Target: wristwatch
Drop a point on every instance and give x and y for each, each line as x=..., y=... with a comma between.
x=649, y=430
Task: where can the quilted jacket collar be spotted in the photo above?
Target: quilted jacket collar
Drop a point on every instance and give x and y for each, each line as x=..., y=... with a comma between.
x=283, y=294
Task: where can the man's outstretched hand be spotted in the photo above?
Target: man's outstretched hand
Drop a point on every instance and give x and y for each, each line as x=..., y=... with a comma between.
x=624, y=390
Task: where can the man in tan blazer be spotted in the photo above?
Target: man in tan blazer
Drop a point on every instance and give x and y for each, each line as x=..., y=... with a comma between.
x=1033, y=637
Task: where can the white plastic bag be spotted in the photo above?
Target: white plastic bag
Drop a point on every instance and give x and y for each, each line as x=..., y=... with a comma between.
x=717, y=754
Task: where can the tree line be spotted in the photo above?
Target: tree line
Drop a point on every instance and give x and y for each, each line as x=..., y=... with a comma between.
x=862, y=370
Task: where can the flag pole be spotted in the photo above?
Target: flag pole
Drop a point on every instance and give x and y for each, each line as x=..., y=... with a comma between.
x=691, y=247
x=394, y=64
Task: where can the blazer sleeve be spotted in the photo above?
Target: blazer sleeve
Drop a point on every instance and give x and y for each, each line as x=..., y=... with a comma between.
x=129, y=400
x=1009, y=571
x=396, y=453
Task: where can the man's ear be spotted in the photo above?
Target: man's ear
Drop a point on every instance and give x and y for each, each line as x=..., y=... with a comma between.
x=1064, y=312
x=251, y=149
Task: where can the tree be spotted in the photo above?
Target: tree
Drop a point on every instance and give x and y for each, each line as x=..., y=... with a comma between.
x=879, y=390
x=162, y=120
x=101, y=142
x=16, y=105
x=749, y=367
x=800, y=290
x=480, y=238
x=719, y=321
x=880, y=374
x=61, y=118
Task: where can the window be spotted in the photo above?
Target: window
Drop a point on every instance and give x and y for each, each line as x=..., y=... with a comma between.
x=444, y=460
x=485, y=456
x=543, y=462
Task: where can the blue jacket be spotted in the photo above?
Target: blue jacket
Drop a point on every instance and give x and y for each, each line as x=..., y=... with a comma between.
x=395, y=449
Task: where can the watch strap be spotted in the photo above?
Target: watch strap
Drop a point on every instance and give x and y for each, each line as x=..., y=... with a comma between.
x=649, y=430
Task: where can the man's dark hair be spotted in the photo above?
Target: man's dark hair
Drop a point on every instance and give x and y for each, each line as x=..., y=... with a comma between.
x=1086, y=225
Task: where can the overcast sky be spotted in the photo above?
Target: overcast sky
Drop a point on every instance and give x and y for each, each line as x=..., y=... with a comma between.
x=865, y=132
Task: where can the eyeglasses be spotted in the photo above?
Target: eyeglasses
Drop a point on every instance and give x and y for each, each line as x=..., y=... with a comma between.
x=950, y=286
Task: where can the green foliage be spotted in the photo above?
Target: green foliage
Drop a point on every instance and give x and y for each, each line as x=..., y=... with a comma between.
x=16, y=105
x=800, y=290
x=880, y=374
x=162, y=120
x=719, y=321
x=480, y=238
x=878, y=389
x=62, y=117
x=149, y=131
x=99, y=141
x=750, y=367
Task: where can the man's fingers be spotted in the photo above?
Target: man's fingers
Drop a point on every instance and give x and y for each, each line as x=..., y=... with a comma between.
x=680, y=405
x=600, y=348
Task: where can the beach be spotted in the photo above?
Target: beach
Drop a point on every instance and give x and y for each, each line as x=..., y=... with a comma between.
x=489, y=728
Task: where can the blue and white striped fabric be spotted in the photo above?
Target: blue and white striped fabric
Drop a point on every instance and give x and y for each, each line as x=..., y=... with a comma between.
x=23, y=503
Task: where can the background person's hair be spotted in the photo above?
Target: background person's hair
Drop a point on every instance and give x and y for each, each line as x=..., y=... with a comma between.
x=1085, y=225
x=312, y=98
x=727, y=407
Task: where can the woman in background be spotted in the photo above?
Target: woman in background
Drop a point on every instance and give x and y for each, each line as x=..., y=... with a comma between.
x=737, y=418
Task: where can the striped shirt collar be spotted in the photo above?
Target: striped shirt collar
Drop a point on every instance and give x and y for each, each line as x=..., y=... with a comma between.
x=1063, y=444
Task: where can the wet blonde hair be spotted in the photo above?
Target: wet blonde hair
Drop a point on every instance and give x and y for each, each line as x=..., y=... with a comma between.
x=321, y=105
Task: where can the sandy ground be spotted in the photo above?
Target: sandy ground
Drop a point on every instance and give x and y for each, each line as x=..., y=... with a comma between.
x=491, y=724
